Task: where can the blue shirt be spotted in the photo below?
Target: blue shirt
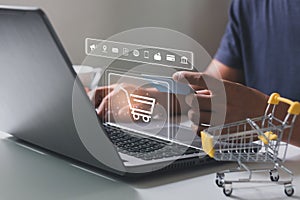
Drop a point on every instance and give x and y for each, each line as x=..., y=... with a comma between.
x=263, y=39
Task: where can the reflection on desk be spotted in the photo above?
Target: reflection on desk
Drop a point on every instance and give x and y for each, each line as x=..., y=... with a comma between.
x=31, y=174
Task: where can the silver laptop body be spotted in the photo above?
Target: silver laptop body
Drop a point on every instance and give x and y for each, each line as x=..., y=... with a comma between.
x=39, y=92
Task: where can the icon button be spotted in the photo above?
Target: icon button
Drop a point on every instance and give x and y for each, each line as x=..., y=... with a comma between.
x=137, y=113
x=157, y=56
x=136, y=53
x=93, y=47
x=146, y=54
x=170, y=57
x=125, y=51
x=184, y=60
x=104, y=49
x=115, y=50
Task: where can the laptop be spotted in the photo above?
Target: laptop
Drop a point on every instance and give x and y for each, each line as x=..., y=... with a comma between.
x=43, y=103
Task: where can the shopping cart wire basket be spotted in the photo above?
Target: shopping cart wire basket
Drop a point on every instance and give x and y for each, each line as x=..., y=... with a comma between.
x=254, y=140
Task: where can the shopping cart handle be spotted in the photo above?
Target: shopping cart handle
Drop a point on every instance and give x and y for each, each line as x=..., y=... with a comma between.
x=294, y=108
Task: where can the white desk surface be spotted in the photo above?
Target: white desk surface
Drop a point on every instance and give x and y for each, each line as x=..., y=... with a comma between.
x=26, y=174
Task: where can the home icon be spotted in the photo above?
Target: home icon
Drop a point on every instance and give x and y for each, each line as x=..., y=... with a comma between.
x=184, y=60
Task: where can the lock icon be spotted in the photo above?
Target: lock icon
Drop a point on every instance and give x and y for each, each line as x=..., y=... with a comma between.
x=157, y=56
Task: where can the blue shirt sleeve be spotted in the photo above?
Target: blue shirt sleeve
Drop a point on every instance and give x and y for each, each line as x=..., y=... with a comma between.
x=229, y=52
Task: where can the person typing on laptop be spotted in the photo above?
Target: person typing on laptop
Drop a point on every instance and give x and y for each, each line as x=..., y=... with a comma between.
x=111, y=102
x=256, y=57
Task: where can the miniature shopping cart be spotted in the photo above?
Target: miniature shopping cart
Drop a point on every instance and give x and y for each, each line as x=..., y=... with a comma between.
x=254, y=140
x=137, y=112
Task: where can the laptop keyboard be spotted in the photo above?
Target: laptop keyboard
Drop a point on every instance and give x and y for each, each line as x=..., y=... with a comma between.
x=145, y=148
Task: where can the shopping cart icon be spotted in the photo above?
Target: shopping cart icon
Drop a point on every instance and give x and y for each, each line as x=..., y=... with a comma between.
x=254, y=140
x=147, y=102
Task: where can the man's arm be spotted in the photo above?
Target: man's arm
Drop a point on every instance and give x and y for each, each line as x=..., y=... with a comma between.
x=219, y=70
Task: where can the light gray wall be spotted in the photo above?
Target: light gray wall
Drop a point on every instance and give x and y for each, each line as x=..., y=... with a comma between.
x=203, y=20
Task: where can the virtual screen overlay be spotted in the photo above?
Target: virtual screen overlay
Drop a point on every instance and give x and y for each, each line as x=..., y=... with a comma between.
x=141, y=95
x=159, y=56
x=140, y=105
x=147, y=105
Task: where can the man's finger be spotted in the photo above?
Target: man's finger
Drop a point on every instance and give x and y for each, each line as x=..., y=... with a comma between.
x=197, y=80
x=100, y=93
x=103, y=108
x=124, y=114
x=204, y=92
x=192, y=78
x=104, y=90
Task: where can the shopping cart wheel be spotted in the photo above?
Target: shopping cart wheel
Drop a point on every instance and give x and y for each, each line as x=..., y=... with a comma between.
x=274, y=176
x=136, y=117
x=289, y=190
x=227, y=190
x=219, y=182
x=220, y=179
x=146, y=119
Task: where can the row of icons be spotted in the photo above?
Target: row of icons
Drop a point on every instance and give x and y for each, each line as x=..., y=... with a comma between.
x=146, y=54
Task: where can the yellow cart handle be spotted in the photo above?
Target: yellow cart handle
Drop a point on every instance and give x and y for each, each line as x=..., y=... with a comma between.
x=294, y=108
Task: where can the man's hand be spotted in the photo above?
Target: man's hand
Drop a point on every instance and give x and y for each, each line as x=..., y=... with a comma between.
x=215, y=98
x=112, y=101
